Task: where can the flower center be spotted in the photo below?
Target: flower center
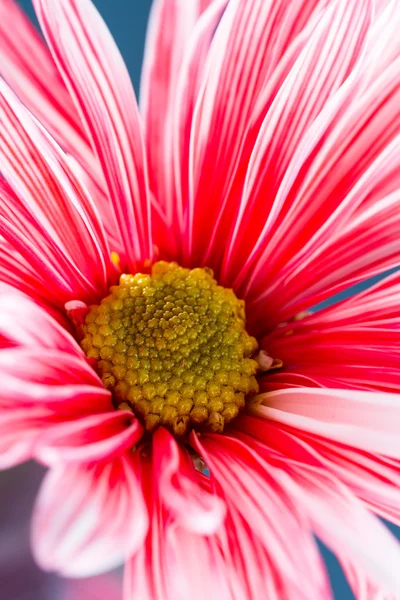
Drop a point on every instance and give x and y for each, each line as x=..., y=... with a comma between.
x=172, y=347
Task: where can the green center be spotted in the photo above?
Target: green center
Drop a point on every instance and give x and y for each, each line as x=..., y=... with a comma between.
x=172, y=347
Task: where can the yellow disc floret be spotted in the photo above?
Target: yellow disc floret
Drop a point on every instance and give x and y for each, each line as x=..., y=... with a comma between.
x=172, y=347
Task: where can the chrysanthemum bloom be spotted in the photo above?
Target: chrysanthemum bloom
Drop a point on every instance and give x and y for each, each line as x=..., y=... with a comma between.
x=154, y=269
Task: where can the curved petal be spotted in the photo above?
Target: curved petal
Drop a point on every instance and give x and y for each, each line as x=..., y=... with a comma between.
x=27, y=66
x=48, y=215
x=352, y=344
x=256, y=492
x=374, y=479
x=338, y=224
x=88, y=519
x=346, y=527
x=365, y=420
x=320, y=69
x=336, y=515
x=98, y=81
x=24, y=323
x=40, y=388
x=194, y=508
x=248, y=44
x=92, y=438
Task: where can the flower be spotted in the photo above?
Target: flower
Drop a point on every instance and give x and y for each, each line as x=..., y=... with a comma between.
x=267, y=150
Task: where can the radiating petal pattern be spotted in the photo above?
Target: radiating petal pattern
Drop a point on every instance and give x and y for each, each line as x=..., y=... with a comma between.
x=99, y=84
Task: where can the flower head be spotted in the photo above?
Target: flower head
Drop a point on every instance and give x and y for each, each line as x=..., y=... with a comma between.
x=158, y=267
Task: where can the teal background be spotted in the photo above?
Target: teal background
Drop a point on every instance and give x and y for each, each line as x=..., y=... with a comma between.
x=127, y=20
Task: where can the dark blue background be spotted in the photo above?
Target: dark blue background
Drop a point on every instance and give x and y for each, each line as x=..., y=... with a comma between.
x=127, y=20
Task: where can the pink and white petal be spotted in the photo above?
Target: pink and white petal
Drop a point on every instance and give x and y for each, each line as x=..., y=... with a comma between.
x=213, y=568
x=336, y=515
x=56, y=216
x=98, y=81
x=24, y=323
x=365, y=420
x=372, y=478
x=324, y=63
x=19, y=435
x=89, y=438
x=312, y=248
x=57, y=381
x=188, y=88
x=345, y=526
x=193, y=507
x=170, y=27
x=186, y=565
x=89, y=519
x=27, y=66
x=18, y=276
x=248, y=44
x=361, y=584
x=352, y=344
x=258, y=493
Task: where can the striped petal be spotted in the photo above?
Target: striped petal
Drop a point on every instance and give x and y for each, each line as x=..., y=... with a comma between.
x=56, y=227
x=352, y=344
x=249, y=43
x=98, y=81
x=88, y=519
x=170, y=27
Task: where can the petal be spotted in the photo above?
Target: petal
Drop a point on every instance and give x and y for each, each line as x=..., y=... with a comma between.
x=352, y=344
x=365, y=420
x=48, y=215
x=24, y=323
x=170, y=27
x=337, y=227
x=247, y=46
x=98, y=81
x=193, y=507
x=321, y=67
x=372, y=478
x=336, y=515
x=91, y=438
x=186, y=565
x=188, y=89
x=346, y=527
x=255, y=491
x=88, y=519
x=41, y=388
x=27, y=66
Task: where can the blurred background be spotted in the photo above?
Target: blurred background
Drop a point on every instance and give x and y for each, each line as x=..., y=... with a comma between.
x=20, y=579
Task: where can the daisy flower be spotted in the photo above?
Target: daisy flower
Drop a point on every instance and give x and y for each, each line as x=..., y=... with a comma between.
x=158, y=269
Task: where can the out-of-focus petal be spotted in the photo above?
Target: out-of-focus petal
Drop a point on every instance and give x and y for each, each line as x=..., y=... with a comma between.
x=24, y=323
x=335, y=514
x=98, y=81
x=88, y=519
x=365, y=420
